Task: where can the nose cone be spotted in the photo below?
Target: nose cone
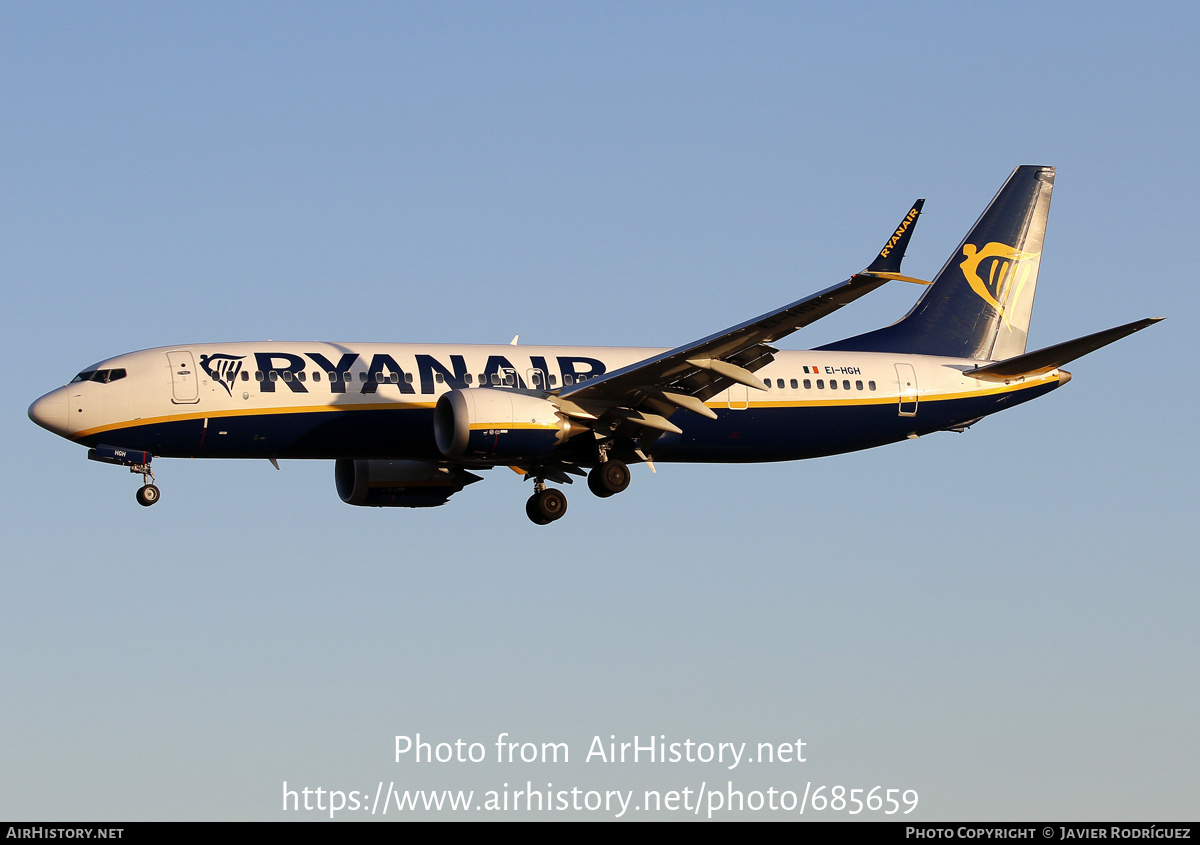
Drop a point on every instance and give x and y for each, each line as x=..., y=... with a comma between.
x=50, y=412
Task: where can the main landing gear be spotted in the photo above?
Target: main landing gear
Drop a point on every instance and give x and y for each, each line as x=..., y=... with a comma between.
x=545, y=505
x=609, y=478
x=548, y=504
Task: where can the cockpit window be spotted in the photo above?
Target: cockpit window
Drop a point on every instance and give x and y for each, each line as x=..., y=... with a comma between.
x=102, y=376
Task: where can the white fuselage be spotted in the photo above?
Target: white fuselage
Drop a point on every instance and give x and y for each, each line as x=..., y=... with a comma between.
x=329, y=400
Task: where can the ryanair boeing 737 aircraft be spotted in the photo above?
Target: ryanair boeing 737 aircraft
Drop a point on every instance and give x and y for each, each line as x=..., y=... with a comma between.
x=408, y=425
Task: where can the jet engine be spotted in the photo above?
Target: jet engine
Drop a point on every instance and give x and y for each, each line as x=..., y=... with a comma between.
x=398, y=484
x=488, y=424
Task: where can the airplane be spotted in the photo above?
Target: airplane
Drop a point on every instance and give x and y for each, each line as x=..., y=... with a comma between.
x=410, y=425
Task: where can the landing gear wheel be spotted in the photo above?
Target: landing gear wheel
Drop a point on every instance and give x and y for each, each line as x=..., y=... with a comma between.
x=148, y=495
x=531, y=510
x=545, y=506
x=608, y=478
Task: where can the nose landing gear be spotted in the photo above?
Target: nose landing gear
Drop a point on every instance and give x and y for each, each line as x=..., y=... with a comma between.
x=138, y=463
x=147, y=494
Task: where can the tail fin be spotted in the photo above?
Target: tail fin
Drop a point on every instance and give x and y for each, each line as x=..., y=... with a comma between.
x=980, y=302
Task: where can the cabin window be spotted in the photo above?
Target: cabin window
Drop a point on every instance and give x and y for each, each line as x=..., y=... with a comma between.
x=316, y=375
x=468, y=378
x=553, y=380
x=408, y=377
x=807, y=384
x=767, y=383
x=439, y=378
x=820, y=384
x=858, y=385
x=567, y=381
x=287, y=375
x=274, y=376
x=794, y=384
x=871, y=385
x=245, y=375
x=303, y=376
x=846, y=384
x=833, y=384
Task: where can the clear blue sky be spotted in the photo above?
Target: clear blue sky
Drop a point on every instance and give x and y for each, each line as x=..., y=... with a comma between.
x=1003, y=620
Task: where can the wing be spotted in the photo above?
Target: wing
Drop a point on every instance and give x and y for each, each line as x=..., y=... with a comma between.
x=637, y=400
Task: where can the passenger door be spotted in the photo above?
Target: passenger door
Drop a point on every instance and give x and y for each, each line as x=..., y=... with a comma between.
x=185, y=387
x=907, y=378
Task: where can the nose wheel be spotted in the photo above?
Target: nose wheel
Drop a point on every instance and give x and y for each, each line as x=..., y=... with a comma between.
x=147, y=494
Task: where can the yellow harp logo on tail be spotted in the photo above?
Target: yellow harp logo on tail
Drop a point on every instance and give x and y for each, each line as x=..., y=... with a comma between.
x=1007, y=269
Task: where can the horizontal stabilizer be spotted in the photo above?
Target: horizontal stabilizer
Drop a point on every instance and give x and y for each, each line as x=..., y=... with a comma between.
x=1053, y=357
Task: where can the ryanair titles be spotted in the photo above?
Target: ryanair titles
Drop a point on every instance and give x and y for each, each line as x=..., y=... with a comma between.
x=356, y=373
x=899, y=233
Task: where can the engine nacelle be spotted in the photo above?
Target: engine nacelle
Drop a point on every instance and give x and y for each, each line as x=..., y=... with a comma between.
x=487, y=424
x=398, y=484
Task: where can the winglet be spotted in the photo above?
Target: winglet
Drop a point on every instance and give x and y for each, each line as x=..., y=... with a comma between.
x=889, y=258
